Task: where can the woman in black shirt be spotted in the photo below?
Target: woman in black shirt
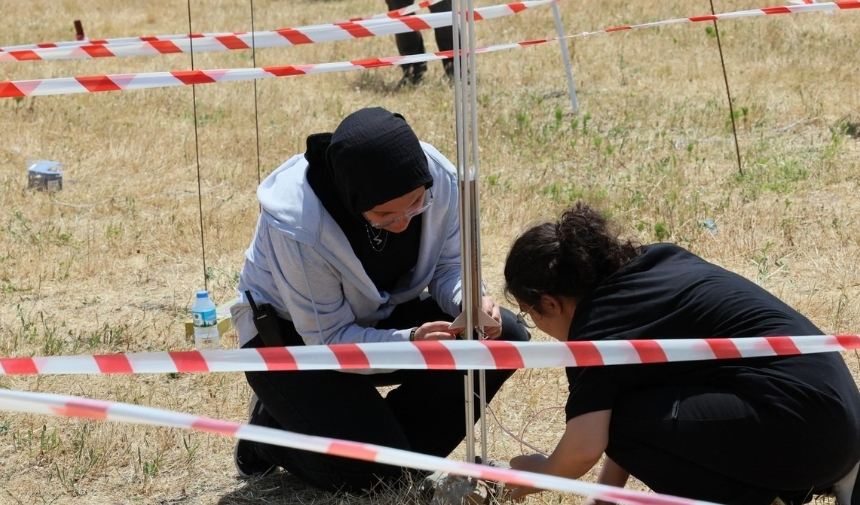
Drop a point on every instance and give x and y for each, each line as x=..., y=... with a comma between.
x=738, y=431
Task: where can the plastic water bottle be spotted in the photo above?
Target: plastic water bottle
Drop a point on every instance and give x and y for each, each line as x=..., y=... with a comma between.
x=205, y=322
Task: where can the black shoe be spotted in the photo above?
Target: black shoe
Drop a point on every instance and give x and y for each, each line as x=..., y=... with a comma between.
x=248, y=463
x=448, y=66
x=412, y=74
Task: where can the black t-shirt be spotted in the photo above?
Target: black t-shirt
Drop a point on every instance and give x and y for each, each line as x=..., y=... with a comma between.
x=670, y=293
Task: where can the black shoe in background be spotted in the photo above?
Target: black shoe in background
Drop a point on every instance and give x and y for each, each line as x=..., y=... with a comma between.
x=248, y=463
x=413, y=73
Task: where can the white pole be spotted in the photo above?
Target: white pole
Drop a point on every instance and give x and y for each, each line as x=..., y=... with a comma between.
x=465, y=108
x=570, y=85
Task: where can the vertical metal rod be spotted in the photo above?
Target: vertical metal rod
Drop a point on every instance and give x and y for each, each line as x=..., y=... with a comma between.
x=477, y=285
x=469, y=398
x=466, y=120
x=566, y=57
x=482, y=395
x=466, y=107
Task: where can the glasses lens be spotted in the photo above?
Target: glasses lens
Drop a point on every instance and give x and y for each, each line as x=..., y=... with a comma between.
x=428, y=201
x=525, y=319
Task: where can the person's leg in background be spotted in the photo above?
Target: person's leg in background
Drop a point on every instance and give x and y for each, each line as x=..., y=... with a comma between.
x=445, y=37
x=409, y=43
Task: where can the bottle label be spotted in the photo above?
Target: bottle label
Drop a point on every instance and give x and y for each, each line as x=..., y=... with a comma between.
x=205, y=318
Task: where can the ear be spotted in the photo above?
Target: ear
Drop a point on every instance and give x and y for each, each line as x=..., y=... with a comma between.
x=550, y=305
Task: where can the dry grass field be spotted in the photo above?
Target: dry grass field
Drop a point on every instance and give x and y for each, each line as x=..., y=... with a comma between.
x=110, y=263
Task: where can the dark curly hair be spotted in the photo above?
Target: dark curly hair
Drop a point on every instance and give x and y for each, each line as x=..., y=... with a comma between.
x=570, y=257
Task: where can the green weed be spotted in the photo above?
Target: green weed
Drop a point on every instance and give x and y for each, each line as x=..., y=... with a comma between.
x=766, y=265
x=149, y=467
x=777, y=175
x=205, y=118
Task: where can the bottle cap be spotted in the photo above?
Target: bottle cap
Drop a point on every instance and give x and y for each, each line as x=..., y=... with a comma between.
x=203, y=294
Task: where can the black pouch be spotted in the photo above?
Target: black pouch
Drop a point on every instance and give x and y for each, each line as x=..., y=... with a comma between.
x=266, y=322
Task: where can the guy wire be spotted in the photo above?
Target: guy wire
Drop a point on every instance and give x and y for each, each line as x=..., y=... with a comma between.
x=197, y=151
x=256, y=113
x=728, y=92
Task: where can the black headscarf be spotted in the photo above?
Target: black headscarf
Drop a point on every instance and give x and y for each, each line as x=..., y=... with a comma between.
x=375, y=157
x=372, y=157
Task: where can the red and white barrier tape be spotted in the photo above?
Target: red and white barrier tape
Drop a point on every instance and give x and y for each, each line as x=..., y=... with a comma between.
x=404, y=11
x=313, y=34
x=409, y=9
x=766, y=11
x=798, y=2
x=127, y=82
x=432, y=355
x=120, y=82
x=70, y=406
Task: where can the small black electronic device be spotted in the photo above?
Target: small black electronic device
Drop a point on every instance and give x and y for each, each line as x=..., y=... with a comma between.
x=266, y=322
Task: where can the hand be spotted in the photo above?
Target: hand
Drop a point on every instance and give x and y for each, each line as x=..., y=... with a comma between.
x=494, y=310
x=594, y=501
x=519, y=492
x=528, y=463
x=436, y=330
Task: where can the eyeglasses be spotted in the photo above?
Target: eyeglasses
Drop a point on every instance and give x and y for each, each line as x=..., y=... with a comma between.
x=524, y=318
x=428, y=201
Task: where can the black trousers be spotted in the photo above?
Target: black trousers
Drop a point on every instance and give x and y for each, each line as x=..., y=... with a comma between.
x=425, y=413
x=722, y=446
x=413, y=43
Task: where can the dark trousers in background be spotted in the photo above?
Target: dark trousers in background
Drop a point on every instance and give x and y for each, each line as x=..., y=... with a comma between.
x=413, y=43
x=425, y=413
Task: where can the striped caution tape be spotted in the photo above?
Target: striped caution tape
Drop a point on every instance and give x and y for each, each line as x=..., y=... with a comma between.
x=798, y=2
x=120, y=82
x=345, y=30
x=766, y=11
x=433, y=355
x=409, y=9
x=70, y=406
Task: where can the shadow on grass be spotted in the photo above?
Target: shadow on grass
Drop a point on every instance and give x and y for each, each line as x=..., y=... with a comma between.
x=282, y=488
x=378, y=81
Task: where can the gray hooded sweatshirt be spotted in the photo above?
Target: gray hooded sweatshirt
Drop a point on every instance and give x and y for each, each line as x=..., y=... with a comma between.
x=302, y=264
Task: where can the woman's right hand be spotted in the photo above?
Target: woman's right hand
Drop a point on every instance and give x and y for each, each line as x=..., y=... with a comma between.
x=436, y=330
x=529, y=463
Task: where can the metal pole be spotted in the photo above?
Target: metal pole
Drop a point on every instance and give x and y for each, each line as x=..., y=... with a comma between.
x=460, y=126
x=570, y=85
x=465, y=107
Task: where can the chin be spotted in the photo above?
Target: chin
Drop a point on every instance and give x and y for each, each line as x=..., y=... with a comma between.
x=396, y=228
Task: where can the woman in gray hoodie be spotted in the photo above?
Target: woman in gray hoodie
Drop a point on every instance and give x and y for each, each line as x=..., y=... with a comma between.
x=358, y=241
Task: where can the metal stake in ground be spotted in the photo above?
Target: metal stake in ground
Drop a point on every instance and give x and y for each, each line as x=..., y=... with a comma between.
x=465, y=108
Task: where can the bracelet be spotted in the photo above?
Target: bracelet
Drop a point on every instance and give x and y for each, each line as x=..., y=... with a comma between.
x=412, y=334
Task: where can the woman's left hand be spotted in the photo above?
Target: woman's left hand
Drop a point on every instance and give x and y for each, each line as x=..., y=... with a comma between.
x=434, y=330
x=494, y=310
